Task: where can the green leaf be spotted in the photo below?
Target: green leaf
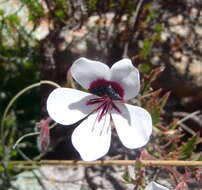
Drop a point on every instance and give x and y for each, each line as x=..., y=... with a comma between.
x=62, y=4
x=145, y=68
x=158, y=28
x=152, y=15
x=187, y=148
x=164, y=100
x=1, y=12
x=13, y=153
x=13, y=18
x=35, y=9
x=10, y=167
x=146, y=48
x=1, y=168
x=113, y=4
x=59, y=13
x=92, y=5
x=146, y=44
x=1, y=152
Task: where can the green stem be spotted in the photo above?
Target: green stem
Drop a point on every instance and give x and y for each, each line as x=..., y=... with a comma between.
x=29, y=135
x=18, y=95
x=24, y=136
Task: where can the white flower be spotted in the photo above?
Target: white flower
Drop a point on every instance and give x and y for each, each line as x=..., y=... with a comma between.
x=109, y=88
x=155, y=186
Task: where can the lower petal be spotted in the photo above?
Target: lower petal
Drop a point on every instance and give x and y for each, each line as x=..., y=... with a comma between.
x=133, y=125
x=92, y=138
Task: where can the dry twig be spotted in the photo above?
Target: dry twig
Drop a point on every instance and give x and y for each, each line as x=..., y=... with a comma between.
x=108, y=163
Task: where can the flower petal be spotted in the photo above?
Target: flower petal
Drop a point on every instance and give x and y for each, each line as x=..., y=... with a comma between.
x=92, y=138
x=155, y=186
x=127, y=76
x=133, y=125
x=85, y=71
x=67, y=106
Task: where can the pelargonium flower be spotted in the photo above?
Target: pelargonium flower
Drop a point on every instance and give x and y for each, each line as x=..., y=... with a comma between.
x=102, y=108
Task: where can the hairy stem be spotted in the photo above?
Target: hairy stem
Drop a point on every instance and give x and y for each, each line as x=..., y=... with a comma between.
x=19, y=94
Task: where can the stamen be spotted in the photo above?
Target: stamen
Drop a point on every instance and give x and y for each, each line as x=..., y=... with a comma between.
x=115, y=107
x=94, y=101
x=104, y=107
x=103, y=125
x=93, y=128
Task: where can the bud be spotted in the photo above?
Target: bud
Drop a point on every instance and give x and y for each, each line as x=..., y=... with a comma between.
x=44, y=138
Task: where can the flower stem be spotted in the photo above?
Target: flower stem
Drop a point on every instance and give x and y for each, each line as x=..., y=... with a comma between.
x=30, y=134
x=24, y=136
x=17, y=96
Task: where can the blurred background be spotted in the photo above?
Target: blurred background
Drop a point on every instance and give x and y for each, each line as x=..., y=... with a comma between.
x=40, y=39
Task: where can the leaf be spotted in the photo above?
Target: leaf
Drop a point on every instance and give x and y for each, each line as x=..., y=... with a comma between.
x=145, y=68
x=146, y=49
x=92, y=5
x=187, y=148
x=164, y=100
x=158, y=28
x=126, y=176
x=13, y=18
x=63, y=4
x=1, y=12
x=59, y=13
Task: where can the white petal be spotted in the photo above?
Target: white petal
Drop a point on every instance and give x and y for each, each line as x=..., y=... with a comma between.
x=155, y=186
x=124, y=73
x=67, y=106
x=85, y=71
x=133, y=125
x=92, y=138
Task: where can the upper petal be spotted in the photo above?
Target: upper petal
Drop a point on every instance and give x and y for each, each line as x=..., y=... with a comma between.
x=92, y=138
x=67, y=106
x=85, y=71
x=155, y=186
x=127, y=76
x=133, y=125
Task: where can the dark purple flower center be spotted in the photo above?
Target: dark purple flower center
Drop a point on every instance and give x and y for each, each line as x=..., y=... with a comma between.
x=102, y=87
x=109, y=91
